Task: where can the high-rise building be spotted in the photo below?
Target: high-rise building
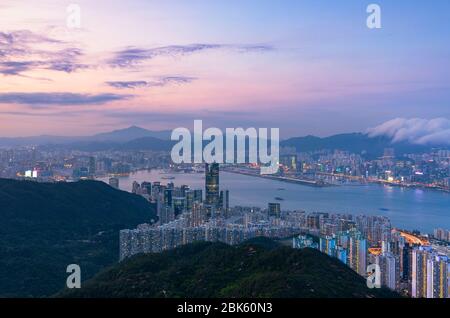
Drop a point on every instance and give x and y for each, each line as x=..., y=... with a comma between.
x=346, y=225
x=419, y=271
x=274, y=209
x=146, y=187
x=437, y=276
x=168, y=195
x=166, y=214
x=156, y=189
x=341, y=254
x=212, y=184
x=198, y=195
x=183, y=189
x=390, y=270
x=226, y=204
x=313, y=221
x=197, y=214
x=91, y=167
x=136, y=188
x=328, y=245
x=179, y=205
x=430, y=273
x=441, y=234
x=221, y=200
x=189, y=194
x=357, y=252
x=289, y=162
x=114, y=182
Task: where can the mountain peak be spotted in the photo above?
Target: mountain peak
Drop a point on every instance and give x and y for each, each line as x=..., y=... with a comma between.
x=134, y=127
x=128, y=134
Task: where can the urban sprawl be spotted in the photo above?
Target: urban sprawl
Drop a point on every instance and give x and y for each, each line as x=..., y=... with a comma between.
x=410, y=263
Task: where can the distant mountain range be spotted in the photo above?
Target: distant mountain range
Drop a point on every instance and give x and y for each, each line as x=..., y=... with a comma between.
x=46, y=226
x=130, y=133
x=353, y=142
x=257, y=268
x=116, y=136
x=136, y=138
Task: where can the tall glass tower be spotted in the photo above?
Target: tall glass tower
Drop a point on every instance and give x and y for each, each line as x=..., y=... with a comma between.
x=212, y=184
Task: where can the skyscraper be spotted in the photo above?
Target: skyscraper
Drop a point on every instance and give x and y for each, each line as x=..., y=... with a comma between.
x=136, y=188
x=328, y=245
x=189, y=194
x=168, y=195
x=429, y=277
x=197, y=214
x=212, y=184
x=419, y=272
x=114, y=182
x=274, y=209
x=179, y=204
x=165, y=212
x=91, y=167
x=147, y=187
x=357, y=252
x=226, y=204
x=198, y=195
x=390, y=270
x=437, y=276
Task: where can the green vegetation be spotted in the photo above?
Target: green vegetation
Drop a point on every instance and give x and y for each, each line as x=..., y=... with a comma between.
x=46, y=226
x=257, y=268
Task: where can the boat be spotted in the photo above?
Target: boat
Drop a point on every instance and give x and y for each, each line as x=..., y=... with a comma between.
x=279, y=199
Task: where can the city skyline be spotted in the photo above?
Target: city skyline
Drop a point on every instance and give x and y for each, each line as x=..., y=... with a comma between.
x=232, y=153
x=312, y=68
x=407, y=262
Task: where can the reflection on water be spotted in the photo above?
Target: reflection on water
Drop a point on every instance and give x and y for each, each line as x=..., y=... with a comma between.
x=419, y=195
x=407, y=208
x=388, y=191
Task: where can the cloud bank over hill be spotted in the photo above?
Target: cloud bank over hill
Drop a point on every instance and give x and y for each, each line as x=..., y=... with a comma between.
x=415, y=130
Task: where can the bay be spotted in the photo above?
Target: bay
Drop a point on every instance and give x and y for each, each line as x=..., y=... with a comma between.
x=408, y=209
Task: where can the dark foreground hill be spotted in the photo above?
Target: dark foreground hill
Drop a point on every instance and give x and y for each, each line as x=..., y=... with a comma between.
x=258, y=268
x=44, y=227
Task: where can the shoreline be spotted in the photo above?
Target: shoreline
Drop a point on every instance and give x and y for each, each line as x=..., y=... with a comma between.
x=309, y=183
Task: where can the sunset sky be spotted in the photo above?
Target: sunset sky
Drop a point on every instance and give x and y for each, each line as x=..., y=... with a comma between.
x=306, y=67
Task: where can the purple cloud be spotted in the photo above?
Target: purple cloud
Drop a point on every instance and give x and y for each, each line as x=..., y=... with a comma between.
x=160, y=82
x=19, y=53
x=16, y=68
x=133, y=55
x=43, y=100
